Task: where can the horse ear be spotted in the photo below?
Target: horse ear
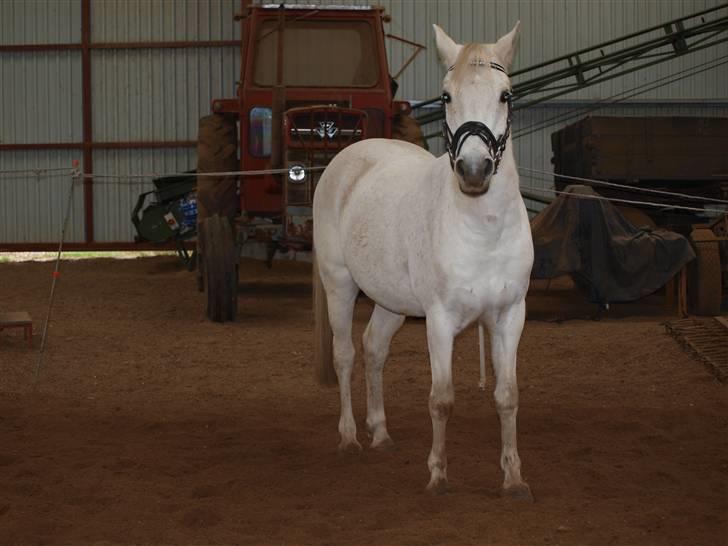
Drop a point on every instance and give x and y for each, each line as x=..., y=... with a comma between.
x=506, y=47
x=447, y=49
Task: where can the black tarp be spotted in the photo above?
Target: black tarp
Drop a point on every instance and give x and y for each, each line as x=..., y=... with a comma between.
x=608, y=257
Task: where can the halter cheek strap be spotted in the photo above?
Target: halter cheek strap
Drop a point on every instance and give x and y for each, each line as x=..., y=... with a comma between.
x=496, y=146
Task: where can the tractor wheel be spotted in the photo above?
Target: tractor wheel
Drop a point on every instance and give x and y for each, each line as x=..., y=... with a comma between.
x=217, y=151
x=323, y=336
x=200, y=270
x=220, y=268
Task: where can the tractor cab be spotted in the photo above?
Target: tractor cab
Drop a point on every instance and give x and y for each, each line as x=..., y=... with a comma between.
x=314, y=80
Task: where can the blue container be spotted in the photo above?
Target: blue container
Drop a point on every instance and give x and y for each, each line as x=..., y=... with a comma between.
x=188, y=206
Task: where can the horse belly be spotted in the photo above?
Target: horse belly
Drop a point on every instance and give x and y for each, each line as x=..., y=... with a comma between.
x=388, y=287
x=376, y=250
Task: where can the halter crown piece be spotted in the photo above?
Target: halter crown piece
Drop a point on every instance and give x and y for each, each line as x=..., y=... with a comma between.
x=454, y=142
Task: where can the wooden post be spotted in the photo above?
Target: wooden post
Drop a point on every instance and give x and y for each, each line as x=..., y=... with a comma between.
x=676, y=294
x=682, y=299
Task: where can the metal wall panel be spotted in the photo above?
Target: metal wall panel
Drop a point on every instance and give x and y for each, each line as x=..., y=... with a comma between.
x=40, y=97
x=40, y=22
x=32, y=205
x=163, y=20
x=152, y=94
x=115, y=198
x=158, y=94
x=550, y=28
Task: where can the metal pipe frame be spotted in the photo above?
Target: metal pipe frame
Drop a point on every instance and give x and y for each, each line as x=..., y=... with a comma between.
x=592, y=65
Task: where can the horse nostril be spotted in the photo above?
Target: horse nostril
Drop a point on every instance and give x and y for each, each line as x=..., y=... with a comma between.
x=459, y=167
x=488, y=167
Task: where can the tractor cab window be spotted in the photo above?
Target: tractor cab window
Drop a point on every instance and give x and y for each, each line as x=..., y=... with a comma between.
x=317, y=54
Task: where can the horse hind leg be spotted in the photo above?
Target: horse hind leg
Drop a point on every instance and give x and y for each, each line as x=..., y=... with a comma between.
x=377, y=337
x=341, y=292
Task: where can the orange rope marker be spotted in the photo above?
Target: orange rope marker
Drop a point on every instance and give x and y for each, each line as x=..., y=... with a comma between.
x=56, y=274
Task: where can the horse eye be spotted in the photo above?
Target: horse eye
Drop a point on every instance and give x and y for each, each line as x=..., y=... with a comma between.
x=506, y=96
x=445, y=97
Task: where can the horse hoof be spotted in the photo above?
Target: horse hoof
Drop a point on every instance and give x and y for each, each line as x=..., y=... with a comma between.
x=387, y=444
x=349, y=448
x=438, y=487
x=519, y=492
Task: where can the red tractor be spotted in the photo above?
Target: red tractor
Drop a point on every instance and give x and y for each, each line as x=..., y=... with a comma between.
x=313, y=80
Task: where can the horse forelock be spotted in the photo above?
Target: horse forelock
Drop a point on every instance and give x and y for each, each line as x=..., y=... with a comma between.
x=473, y=59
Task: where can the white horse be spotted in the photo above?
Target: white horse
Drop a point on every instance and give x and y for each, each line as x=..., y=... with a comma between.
x=446, y=238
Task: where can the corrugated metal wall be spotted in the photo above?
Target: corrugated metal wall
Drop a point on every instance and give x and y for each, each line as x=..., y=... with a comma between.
x=137, y=95
x=142, y=95
x=549, y=28
x=40, y=22
x=159, y=94
x=40, y=101
x=32, y=206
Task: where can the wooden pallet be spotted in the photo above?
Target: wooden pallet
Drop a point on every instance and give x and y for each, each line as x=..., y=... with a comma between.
x=706, y=339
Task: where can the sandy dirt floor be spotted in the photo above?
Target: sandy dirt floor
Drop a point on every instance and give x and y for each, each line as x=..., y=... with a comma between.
x=150, y=425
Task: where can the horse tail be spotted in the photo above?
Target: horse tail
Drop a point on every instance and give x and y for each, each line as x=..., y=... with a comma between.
x=323, y=336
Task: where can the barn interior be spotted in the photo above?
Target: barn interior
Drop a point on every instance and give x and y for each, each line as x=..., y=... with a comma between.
x=162, y=316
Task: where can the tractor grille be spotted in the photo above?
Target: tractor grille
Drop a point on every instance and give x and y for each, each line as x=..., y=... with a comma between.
x=325, y=127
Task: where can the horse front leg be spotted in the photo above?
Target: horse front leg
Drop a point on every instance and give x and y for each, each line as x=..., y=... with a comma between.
x=506, y=327
x=440, y=333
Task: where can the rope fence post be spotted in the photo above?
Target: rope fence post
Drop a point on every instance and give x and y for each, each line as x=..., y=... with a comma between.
x=75, y=178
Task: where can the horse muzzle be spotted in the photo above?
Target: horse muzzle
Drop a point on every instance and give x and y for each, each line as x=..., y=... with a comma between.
x=474, y=171
x=474, y=174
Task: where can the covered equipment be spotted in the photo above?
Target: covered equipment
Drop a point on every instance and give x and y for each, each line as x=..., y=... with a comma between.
x=585, y=236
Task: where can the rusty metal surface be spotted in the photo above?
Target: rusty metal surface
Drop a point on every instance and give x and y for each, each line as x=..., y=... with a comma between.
x=706, y=339
x=644, y=148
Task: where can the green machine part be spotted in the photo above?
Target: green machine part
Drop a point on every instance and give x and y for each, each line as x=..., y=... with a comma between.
x=163, y=219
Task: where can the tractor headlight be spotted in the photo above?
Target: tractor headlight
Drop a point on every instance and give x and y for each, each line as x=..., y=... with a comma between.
x=296, y=174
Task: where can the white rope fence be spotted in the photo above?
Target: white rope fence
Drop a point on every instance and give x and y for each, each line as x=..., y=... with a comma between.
x=248, y=173
x=634, y=189
x=62, y=171
x=652, y=204
x=81, y=175
x=76, y=177
x=537, y=174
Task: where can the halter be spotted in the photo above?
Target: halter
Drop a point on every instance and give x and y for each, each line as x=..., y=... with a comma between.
x=496, y=146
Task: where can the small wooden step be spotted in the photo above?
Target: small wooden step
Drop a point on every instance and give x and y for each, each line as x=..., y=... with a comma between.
x=9, y=320
x=18, y=319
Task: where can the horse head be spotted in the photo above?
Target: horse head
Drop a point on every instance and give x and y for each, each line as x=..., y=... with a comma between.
x=477, y=95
